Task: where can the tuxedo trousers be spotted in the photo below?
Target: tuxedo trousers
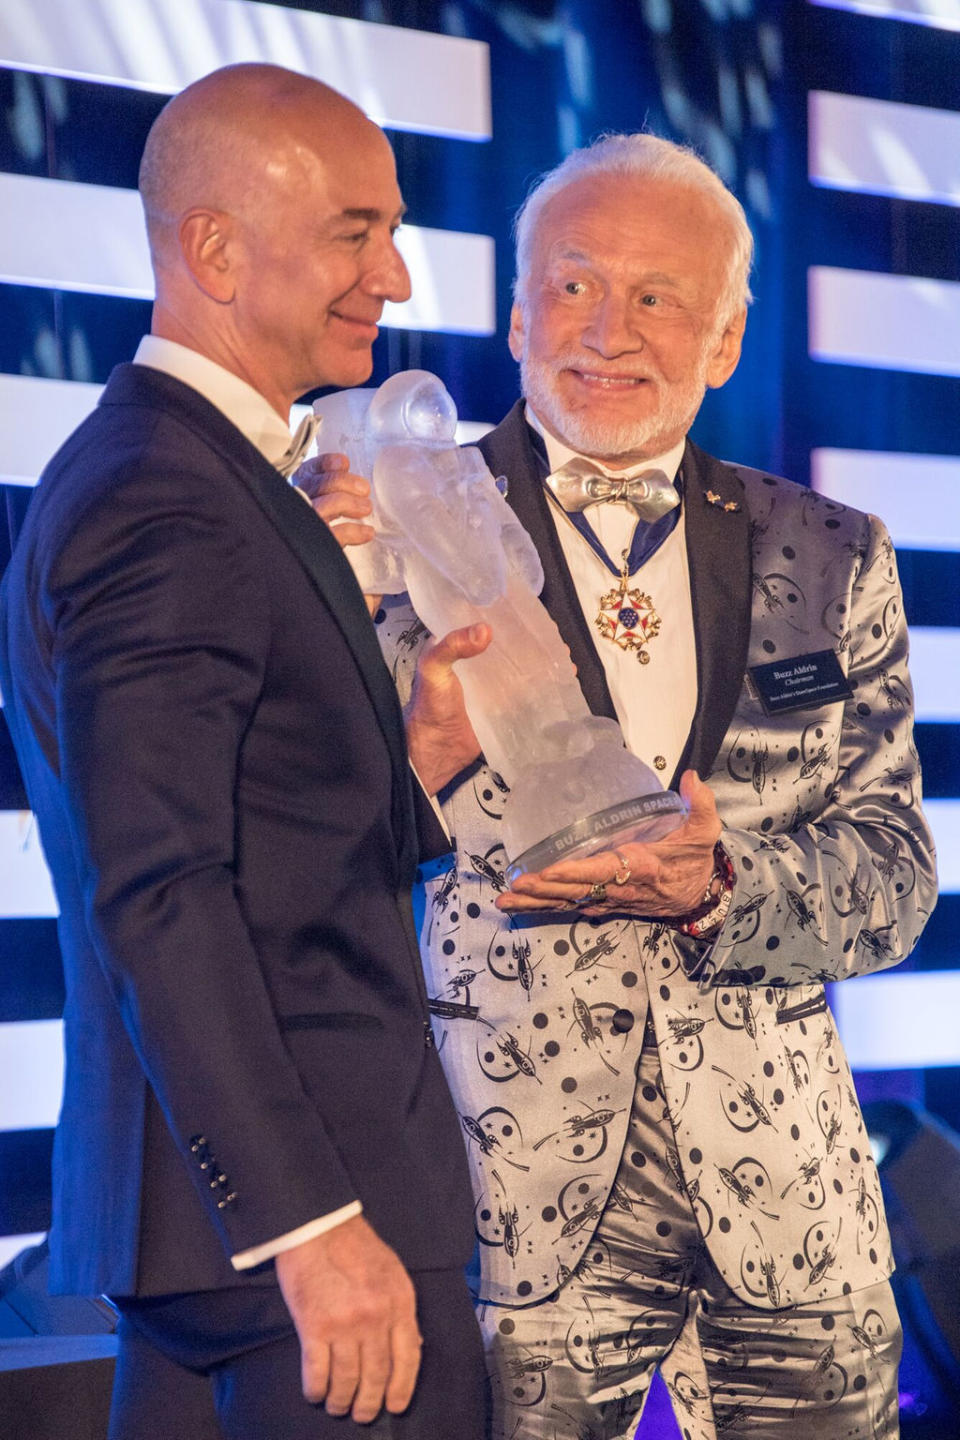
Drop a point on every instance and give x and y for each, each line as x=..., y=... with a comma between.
x=225, y=1365
x=646, y=1296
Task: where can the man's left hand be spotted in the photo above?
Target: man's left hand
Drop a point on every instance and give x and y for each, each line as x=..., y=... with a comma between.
x=440, y=738
x=666, y=879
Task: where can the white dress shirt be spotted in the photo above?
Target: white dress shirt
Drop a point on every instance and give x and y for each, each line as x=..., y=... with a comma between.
x=655, y=702
x=255, y=418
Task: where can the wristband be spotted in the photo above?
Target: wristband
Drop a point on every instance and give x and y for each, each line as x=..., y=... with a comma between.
x=713, y=908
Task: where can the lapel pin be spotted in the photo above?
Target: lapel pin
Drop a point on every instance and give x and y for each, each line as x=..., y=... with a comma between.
x=712, y=498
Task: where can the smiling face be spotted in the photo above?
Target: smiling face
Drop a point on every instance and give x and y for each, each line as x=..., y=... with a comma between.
x=320, y=261
x=272, y=205
x=616, y=322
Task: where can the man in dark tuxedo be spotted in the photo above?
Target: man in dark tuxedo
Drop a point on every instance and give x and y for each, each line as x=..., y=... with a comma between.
x=257, y=1156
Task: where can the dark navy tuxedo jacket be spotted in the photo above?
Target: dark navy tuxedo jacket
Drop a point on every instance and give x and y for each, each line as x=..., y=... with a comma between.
x=214, y=749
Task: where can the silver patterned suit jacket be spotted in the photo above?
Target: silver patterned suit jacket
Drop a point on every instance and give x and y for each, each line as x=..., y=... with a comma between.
x=540, y=1024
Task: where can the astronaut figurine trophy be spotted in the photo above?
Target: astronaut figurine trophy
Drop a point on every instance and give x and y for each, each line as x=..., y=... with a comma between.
x=446, y=535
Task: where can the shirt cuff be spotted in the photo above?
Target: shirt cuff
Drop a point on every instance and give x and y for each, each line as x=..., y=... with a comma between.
x=246, y=1259
x=432, y=801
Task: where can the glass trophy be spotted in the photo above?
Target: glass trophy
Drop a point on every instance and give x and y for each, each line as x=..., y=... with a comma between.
x=446, y=536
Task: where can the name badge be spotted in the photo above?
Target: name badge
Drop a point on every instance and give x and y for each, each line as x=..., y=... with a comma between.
x=800, y=683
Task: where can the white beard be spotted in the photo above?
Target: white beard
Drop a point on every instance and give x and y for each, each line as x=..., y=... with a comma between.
x=603, y=439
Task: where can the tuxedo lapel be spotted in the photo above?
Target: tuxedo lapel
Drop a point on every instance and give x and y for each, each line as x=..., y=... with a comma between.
x=508, y=451
x=311, y=543
x=320, y=555
x=718, y=548
x=718, y=554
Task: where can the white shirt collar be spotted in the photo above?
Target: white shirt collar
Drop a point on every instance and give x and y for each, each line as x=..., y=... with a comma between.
x=558, y=454
x=244, y=406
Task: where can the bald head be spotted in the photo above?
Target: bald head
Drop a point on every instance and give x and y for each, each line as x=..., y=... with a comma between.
x=271, y=204
x=233, y=136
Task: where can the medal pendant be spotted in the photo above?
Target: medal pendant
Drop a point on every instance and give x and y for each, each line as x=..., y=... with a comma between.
x=627, y=618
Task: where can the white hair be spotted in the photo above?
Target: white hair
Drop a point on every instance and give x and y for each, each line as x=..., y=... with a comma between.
x=652, y=158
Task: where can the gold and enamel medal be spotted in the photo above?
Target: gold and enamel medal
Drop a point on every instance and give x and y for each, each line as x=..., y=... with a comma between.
x=627, y=617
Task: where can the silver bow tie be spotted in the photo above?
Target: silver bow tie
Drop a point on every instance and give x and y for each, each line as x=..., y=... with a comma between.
x=580, y=483
x=303, y=438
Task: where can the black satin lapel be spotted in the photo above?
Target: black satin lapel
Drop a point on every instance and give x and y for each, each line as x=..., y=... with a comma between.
x=508, y=451
x=718, y=554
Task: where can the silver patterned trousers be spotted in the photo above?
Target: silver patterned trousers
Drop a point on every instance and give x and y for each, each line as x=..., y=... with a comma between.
x=645, y=1295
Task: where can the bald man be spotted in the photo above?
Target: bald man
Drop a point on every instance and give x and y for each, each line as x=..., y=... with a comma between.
x=257, y=1156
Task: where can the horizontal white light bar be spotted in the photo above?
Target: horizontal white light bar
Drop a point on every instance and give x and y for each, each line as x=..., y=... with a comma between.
x=917, y=496
x=74, y=237
x=26, y=889
x=405, y=79
x=935, y=672
x=92, y=238
x=899, y=1022
x=470, y=431
x=11, y=1245
x=36, y=416
x=941, y=14
x=890, y=322
x=880, y=147
x=944, y=820
x=453, y=275
x=887, y=1021
x=31, y=1074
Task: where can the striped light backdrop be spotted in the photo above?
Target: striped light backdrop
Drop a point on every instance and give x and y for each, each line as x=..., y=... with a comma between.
x=903, y=323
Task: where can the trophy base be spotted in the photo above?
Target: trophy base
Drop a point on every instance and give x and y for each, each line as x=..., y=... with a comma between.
x=646, y=818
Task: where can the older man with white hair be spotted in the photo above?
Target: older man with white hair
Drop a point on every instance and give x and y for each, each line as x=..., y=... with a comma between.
x=669, y=1162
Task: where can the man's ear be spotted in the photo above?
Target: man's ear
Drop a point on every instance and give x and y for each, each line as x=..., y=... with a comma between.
x=515, y=337
x=206, y=243
x=726, y=355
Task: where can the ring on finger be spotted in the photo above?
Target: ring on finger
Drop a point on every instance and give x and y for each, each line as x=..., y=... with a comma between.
x=598, y=893
x=623, y=874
